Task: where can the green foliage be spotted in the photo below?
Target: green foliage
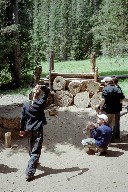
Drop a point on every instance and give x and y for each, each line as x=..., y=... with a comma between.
x=124, y=86
x=81, y=36
x=70, y=28
x=8, y=39
x=62, y=26
x=111, y=27
x=25, y=22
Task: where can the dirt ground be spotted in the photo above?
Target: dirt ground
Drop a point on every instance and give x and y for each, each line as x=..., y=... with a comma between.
x=64, y=164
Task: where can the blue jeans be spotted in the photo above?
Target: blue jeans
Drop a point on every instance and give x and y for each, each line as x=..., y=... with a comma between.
x=35, y=140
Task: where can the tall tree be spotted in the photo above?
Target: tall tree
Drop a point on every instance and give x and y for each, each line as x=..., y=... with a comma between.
x=10, y=40
x=111, y=27
x=40, y=30
x=16, y=72
x=81, y=36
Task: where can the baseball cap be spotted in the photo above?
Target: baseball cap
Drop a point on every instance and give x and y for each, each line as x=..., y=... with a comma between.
x=102, y=116
x=106, y=79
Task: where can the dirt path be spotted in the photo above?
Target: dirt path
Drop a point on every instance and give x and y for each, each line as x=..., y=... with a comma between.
x=65, y=166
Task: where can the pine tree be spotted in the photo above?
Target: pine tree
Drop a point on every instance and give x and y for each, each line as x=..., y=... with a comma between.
x=10, y=40
x=111, y=27
x=81, y=36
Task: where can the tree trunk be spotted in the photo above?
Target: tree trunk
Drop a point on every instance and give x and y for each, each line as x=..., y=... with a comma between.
x=17, y=64
x=14, y=55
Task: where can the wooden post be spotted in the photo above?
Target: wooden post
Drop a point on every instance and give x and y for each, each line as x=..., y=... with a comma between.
x=52, y=60
x=8, y=139
x=51, y=67
x=96, y=74
x=93, y=61
x=37, y=74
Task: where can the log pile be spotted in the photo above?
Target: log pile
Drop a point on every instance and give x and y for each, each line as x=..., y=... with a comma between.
x=82, y=93
x=59, y=83
x=93, y=87
x=82, y=100
x=95, y=100
x=63, y=98
x=74, y=87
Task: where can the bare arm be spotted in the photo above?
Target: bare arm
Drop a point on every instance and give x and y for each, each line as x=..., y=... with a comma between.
x=102, y=103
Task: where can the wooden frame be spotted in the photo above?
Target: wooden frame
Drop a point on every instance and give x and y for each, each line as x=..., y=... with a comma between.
x=79, y=76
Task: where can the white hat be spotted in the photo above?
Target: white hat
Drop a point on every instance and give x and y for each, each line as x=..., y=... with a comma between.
x=102, y=116
x=106, y=79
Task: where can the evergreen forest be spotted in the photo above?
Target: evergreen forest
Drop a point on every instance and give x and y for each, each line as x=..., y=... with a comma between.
x=30, y=29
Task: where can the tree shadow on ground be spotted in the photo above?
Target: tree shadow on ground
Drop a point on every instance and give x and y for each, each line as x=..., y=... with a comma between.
x=63, y=129
x=109, y=153
x=18, y=145
x=66, y=129
x=123, y=146
x=112, y=153
x=123, y=143
x=5, y=169
x=50, y=171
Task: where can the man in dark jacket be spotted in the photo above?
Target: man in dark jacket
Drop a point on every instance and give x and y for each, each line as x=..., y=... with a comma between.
x=111, y=101
x=32, y=120
x=116, y=129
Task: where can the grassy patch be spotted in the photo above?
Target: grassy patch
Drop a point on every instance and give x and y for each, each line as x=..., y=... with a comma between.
x=106, y=67
x=124, y=86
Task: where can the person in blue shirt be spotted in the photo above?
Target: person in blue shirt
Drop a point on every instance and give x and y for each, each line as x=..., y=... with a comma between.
x=32, y=121
x=100, y=136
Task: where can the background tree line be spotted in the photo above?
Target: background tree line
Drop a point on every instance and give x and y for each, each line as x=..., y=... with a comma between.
x=30, y=29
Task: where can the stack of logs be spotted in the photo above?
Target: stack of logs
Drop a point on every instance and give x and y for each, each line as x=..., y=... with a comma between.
x=81, y=93
x=66, y=92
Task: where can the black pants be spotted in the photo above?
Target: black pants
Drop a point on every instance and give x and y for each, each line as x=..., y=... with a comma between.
x=35, y=140
x=116, y=129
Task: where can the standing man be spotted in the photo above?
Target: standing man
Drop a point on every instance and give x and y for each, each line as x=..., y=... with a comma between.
x=32, y=120
x=110, y=104
x=116, y=129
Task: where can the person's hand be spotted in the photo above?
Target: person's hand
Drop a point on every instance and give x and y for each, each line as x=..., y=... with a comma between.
x=92, y=125
x=38, y=86
x=22, y=133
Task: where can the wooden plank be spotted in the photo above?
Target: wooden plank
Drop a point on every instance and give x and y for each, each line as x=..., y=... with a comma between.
x=73, y=75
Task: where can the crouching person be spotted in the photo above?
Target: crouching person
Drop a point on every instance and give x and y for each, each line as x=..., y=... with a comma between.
x=100, y=136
